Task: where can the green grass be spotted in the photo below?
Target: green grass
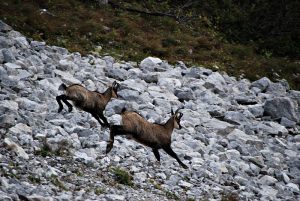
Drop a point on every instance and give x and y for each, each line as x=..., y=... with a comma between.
x=230, y=197
x=44, y=151
x=57, y=182
x=122, y=176
x=99, y=191
x=80, y=27
x=35, y=180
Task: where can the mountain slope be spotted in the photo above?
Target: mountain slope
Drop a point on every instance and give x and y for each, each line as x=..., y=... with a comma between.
x=240, y=139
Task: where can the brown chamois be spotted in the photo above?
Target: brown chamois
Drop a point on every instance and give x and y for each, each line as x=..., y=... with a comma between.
x=156, y=136
x=92, y=102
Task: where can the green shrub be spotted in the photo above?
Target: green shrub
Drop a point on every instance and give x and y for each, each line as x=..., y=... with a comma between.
x=99, y=191
x=168, y=42
x=122, y=177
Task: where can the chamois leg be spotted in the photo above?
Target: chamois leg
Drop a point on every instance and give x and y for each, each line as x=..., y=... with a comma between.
x=58, y=99
x=156, y=154
x=98, y=119
x=63, y=98
x=103, y=118
x=114, y=130
x=169, y=151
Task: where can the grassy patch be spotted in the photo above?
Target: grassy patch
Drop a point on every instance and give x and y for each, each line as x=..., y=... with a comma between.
x=81, y=26
x=35, y=180
x=57, y=182
x=122, y=176
x=78, y=172
x=230, y=197
x=99, y=191
x=171, y=195
x=44, y=151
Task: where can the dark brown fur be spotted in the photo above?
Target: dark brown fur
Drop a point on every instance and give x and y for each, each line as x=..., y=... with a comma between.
x=89, y=101
x=152, y=135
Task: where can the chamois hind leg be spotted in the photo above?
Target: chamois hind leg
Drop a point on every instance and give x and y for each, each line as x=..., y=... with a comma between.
x=63, y=98
x=114, y=130
x=169, y=151
x=156, y=154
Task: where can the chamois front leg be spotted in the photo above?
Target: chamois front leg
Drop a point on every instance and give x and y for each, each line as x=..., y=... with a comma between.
x=58, y=99
x=95, y=115
x=103, y=118
x=63, y=98
x=156, y=154
x=114, y=130
x=169, y=151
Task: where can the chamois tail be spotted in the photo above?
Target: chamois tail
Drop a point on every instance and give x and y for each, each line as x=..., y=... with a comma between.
x=123, y=110
x=62, y=87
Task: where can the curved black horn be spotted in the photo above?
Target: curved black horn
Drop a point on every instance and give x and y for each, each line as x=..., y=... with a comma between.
x=177, y=110
x=172, y=112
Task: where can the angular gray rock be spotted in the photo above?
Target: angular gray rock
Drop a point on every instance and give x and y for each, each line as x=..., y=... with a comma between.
x=10, y=145
x=262, y=83
x=281, y=107
x=4, y=27
x=8, y=55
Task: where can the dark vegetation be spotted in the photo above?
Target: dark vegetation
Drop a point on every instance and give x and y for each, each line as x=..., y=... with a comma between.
x=122, y=176
x=244, y=38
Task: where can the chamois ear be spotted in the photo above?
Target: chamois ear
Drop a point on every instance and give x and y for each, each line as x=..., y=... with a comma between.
x=172, y=112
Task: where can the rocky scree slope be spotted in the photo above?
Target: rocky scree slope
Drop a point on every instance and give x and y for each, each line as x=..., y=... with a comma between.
x=239, y=138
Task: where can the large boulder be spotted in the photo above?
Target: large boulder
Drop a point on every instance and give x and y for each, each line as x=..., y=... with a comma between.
x=150, y=63
x=216, y=82
x=262, y=83
x=4, y=27
x=281, y=107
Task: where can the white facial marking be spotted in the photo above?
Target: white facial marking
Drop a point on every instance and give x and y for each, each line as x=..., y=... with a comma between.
x=176, y=124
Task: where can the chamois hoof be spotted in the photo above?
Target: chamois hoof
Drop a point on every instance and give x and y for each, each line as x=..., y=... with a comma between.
x=109, y=146
x=106, y=125
x=59, y=110
x=184, y=166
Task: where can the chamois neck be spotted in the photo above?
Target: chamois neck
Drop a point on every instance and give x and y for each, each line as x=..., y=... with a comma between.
x=107, y=94
x=169, y=125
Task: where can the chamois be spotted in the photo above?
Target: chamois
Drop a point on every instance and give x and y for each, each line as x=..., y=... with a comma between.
x=156, y=136
x=92, y=102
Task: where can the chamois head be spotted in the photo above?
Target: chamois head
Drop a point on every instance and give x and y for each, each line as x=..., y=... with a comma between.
x=115, y=86
x=177, y=117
